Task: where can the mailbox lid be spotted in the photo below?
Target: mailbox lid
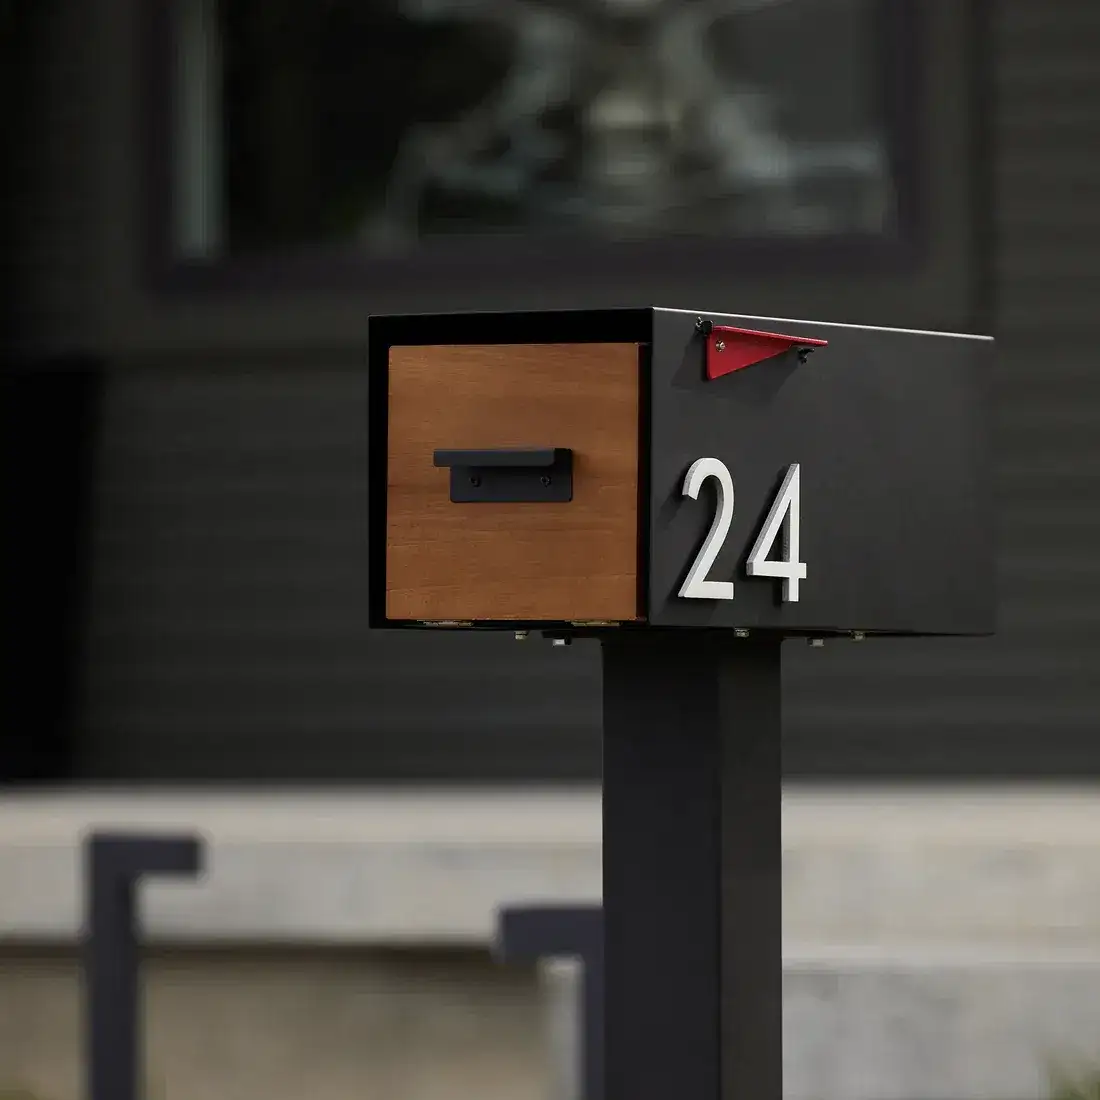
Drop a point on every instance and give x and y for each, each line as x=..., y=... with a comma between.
x=513, y=561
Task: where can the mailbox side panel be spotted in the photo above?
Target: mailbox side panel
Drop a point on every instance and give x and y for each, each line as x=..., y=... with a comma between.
x=889, y=431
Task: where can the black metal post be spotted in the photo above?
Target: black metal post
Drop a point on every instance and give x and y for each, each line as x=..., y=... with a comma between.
x=113, y=865
x=563, y=931
x=691, y=868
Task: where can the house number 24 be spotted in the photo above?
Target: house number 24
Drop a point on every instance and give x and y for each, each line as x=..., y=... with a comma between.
x=784, y=517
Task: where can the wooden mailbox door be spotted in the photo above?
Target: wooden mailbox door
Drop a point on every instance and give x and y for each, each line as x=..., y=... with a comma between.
x=529, y=561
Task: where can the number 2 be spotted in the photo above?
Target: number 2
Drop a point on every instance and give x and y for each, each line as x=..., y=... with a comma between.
x=696, y=586
x=784, y=516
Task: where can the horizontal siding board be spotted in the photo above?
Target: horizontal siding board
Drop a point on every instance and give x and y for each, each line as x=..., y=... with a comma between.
x=1024, y=25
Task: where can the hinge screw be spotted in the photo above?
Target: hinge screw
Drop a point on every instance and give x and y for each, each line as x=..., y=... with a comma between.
x=740, y=632
x=521, y=635
x=817, y=643
x=719, y=345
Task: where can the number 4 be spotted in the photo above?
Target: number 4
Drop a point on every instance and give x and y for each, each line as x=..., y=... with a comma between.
x=785, y=516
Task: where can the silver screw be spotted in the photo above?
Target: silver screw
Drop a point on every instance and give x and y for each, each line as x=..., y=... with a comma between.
x=817, y=643
x=858, y=635
x=719, y=345
x=559, y=641
x=521, y=635
x=740, y=632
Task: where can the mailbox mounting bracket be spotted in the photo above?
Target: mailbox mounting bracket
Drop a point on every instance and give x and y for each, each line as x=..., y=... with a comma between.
x=508, y=475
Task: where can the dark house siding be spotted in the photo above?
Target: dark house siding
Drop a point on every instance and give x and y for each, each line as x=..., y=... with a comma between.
x=1027, y=702
x=227, y=637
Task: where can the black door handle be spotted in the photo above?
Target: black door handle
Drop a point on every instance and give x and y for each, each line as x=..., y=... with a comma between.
x=504, y=475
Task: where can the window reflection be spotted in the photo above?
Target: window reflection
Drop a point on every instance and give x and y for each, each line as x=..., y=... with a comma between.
x=385, y=124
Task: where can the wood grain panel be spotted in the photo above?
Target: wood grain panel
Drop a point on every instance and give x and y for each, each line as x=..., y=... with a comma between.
x=517, y=561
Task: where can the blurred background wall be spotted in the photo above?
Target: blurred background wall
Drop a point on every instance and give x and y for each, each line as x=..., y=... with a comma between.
x=203, y=201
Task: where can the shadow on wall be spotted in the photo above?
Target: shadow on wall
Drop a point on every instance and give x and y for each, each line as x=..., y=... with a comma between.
x=50, y=422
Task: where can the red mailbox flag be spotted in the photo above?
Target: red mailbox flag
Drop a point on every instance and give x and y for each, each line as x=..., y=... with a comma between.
x=730, y=349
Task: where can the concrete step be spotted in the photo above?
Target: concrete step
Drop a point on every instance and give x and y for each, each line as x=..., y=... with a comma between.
x=864, y=867
x=912, y=1025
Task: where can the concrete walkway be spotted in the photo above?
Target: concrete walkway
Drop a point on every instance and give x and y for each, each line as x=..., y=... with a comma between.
x=941, y=944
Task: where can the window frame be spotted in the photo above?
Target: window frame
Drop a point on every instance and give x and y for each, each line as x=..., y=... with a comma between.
x=440, y=262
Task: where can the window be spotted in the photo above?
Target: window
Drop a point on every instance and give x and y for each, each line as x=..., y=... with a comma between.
x=397, y=127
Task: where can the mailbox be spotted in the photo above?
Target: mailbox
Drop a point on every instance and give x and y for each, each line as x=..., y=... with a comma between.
x=691, y=488
x=658, y=469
